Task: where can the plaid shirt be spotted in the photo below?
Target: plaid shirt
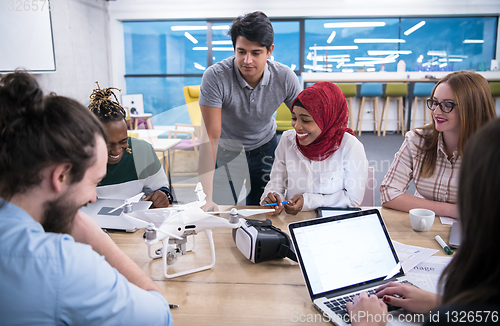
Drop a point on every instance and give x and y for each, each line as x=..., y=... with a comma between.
x=442, y=186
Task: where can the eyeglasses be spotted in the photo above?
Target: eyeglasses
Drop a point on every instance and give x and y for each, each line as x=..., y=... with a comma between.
x=446, y=107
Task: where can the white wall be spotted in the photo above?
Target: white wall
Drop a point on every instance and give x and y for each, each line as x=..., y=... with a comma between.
x=169, y=9
x=81, y=33
x=200, y=9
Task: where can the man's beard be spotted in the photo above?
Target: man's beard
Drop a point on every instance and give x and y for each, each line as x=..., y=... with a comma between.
x=59, y=214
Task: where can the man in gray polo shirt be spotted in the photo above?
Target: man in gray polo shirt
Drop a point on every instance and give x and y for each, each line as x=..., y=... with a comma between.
x=238, y=98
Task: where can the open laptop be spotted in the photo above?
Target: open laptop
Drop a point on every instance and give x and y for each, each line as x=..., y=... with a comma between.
x=100, y=211
x=343, y=255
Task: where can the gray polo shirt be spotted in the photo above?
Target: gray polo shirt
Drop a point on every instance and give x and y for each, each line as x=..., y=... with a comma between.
x=247, y=112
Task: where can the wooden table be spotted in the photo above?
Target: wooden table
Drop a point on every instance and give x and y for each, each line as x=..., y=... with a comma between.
x=238, y=292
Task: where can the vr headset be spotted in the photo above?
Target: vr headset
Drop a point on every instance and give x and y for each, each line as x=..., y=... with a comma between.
x=260, y=241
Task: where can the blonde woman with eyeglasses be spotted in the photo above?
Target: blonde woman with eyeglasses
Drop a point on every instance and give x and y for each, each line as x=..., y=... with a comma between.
x=460, y=104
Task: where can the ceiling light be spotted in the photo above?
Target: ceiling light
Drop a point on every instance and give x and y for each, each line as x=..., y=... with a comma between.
x=386, y=52
x=360, y=64
x=310, y=56
x=367, y=58
x=458, y=56
x=317, y=68
x=331, y=37
x=473, y=41
x=414, y=28
x=204, y=48
x=378, y=40
x=222, y=49
x=354, y=24
x=443, y=65
x=347, y=70
x=437, y=53
x=190, y=37
x=340, y=47
x=222, y=42
x=455, y=60
x=292, y=66
x=198, y=66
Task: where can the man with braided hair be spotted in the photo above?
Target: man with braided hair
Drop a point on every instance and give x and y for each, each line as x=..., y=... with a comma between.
x=133, y=166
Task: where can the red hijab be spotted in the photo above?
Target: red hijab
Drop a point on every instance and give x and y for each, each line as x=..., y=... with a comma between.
x=326, y=103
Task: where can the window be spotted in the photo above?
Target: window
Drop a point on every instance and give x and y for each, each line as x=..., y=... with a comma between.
x=335, y=45
x=162, y=57
x=449, y=44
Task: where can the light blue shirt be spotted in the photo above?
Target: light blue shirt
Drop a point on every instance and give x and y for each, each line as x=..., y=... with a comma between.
x=49, y=279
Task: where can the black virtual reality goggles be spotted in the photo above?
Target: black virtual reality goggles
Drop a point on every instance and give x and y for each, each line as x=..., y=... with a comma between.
x=260, y=241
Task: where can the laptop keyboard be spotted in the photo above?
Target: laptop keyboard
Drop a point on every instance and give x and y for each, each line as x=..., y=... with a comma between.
x=338, y=305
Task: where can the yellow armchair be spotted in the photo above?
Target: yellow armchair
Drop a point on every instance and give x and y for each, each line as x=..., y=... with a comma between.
x=192, y=94
x=283, y=118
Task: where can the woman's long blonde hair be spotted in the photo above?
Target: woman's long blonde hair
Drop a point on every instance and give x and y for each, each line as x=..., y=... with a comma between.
x=475, y=106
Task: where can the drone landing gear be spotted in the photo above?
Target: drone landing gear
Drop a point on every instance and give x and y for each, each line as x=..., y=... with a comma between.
x=180, y=249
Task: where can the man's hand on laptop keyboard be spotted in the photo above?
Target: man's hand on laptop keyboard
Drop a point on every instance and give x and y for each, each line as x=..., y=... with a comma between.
x=364, y=308
x=408, y=297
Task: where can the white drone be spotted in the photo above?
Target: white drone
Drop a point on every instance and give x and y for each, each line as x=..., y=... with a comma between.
x=173, y=225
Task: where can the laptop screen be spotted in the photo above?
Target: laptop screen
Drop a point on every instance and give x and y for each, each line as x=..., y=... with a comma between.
x=342, y=251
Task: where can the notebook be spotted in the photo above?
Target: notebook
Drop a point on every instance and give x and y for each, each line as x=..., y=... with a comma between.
x=455, y=235
x=100, y=211
x=343, y=255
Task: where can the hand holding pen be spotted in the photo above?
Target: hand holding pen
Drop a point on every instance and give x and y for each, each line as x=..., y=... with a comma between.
x=275, y=204
x=273, y=200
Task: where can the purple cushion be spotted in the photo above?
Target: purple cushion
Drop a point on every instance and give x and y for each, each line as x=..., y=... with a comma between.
x=187, y=145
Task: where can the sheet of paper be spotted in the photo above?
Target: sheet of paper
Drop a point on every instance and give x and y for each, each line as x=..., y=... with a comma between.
x=447, y=220
x=411, y=256
x=426, y=274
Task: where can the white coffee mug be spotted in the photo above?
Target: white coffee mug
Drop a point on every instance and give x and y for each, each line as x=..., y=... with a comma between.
x=421, y=219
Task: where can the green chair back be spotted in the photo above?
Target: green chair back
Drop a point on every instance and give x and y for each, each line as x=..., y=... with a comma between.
x=396, y=90
x=283, y=118
x=349, y=89
x=495, y=89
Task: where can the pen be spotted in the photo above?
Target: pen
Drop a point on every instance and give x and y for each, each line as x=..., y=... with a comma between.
x=275, y=204
x=173, y=306
x=444, y=245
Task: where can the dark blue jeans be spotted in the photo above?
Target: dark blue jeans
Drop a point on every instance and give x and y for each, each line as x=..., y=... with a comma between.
x=231, y=173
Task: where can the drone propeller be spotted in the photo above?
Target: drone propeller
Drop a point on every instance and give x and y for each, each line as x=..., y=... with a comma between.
x=138, y=223
x=246, y=212
x=131, y=200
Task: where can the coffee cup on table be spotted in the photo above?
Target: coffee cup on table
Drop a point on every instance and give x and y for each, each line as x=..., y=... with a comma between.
x=421, y=219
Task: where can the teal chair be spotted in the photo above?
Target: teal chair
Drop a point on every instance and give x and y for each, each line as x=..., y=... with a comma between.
x=370, y=91
x=394, y=91
x=350, y=91
x=421, y=92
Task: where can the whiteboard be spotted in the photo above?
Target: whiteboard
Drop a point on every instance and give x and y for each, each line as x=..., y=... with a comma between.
x=26, y=37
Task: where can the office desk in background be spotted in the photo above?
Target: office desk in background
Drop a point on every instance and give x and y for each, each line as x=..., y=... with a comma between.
x=236, y=291
x=163, y=146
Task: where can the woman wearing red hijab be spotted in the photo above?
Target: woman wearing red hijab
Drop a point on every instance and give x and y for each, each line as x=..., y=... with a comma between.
x=320, y=162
